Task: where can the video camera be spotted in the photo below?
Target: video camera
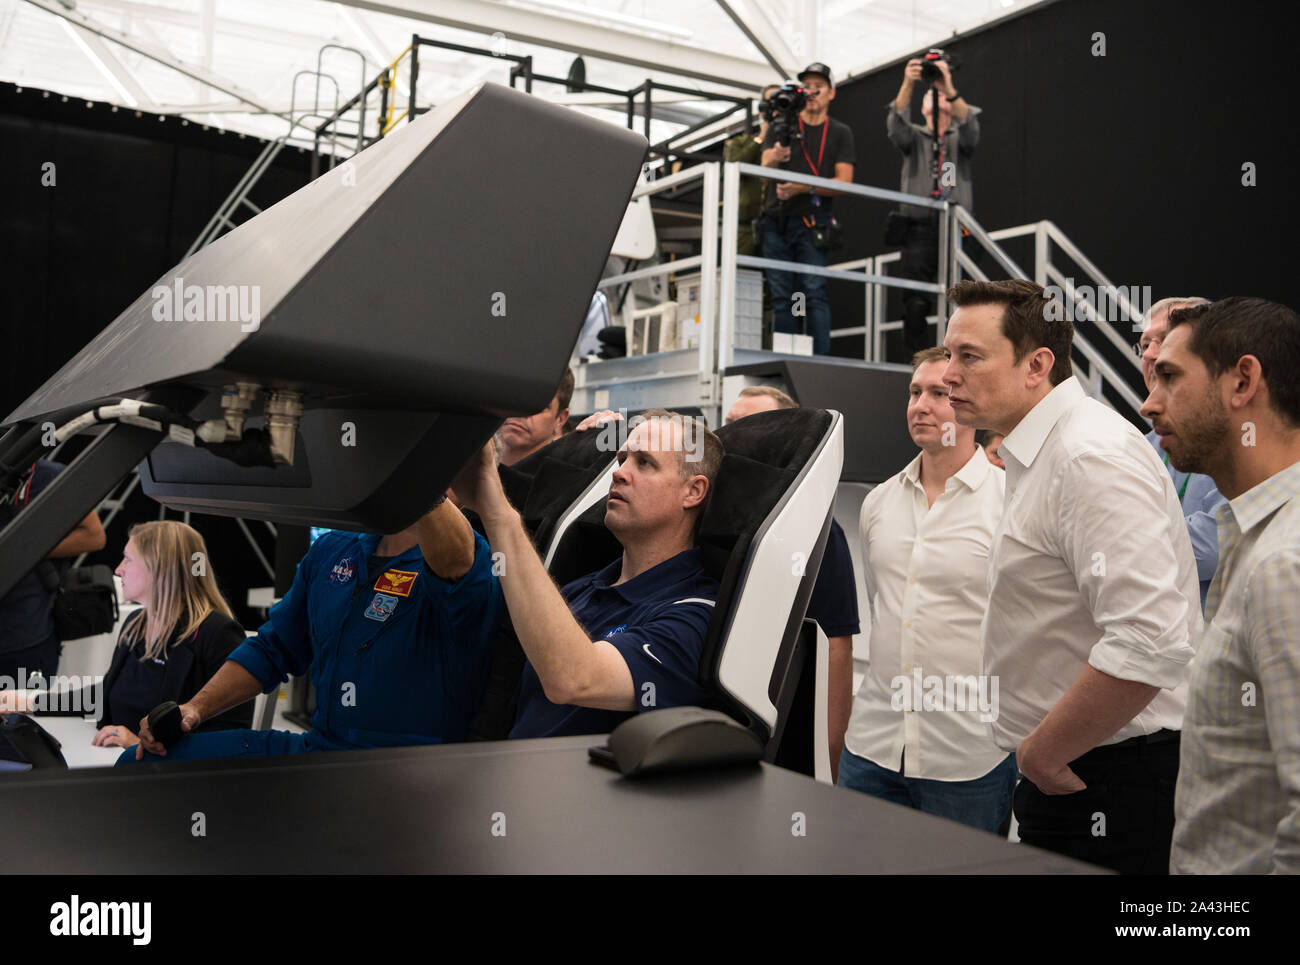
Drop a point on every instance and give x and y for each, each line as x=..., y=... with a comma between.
x=781, y=111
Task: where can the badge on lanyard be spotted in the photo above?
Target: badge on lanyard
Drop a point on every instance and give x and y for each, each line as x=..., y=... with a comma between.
x=381, y=607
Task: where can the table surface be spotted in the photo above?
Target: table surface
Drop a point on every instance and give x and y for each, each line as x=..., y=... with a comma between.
x=75, y=734
x=534, y=806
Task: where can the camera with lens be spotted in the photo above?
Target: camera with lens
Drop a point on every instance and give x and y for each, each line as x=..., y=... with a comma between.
x=930, y=71
x=781, y=111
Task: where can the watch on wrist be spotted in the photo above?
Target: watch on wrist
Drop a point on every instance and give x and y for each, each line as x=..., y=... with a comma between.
x=955, y=95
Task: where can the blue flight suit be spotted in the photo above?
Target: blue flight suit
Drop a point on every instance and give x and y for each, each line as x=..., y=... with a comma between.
x=397, y=658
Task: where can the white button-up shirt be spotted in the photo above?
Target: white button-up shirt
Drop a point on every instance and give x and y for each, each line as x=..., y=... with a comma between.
x=1091, y=565
x=1237, y=807
x=926, y=574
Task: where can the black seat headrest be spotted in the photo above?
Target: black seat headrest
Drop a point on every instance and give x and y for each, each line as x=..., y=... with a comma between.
x=542, y=486
x=765, y=452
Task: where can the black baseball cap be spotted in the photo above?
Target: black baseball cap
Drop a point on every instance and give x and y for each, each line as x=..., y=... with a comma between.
x=821, y=70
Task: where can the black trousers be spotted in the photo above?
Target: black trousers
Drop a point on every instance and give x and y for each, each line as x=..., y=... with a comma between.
x=919, y=261
x=1123, y=819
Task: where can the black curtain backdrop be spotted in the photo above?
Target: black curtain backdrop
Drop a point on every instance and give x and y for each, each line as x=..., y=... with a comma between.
x=1137, y=156
x=130, y=195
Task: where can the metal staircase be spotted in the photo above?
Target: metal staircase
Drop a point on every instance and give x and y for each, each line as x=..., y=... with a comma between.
x=237, y=203
x=1105, y=316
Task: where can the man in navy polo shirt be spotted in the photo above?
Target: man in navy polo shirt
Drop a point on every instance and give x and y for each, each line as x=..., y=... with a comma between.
x=628, y=638
x=394, y=630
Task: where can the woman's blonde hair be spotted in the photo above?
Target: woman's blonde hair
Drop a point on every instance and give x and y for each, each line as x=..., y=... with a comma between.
x=182, y=590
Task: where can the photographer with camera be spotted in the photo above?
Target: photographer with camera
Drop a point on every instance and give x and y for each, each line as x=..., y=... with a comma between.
x=936, y=164
x=797, y=223
x=747, y=148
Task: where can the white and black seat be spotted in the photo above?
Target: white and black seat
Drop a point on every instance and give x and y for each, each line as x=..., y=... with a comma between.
x=761, y=536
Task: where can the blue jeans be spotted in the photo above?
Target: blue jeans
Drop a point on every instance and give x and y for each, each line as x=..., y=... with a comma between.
x=219, y=744
x=788, y=239
x=982, y=803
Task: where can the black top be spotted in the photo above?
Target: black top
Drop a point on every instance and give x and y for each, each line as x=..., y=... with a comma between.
x=190, y=663
x=804, y=158
x=834, y=600
x=136, y=689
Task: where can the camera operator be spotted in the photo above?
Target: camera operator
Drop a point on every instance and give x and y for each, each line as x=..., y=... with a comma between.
x=797, y=222
x=932, y=168
x=747, y=148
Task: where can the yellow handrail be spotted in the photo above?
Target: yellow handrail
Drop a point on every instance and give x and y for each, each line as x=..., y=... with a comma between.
x=390, y=83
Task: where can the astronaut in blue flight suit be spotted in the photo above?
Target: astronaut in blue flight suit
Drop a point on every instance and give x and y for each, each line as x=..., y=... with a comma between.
x=395, y=631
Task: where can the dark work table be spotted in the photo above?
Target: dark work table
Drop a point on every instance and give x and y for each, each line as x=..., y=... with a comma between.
x=434, y=809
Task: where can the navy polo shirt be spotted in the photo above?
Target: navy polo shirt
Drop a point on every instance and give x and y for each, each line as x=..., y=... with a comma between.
x=834, y=600
x=657, y=621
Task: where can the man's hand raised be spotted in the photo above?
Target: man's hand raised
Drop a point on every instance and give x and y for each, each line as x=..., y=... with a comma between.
x=478, y=485
x=598, y=419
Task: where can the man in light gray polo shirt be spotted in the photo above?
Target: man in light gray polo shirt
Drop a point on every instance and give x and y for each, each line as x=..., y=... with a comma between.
x=1226, y=403
x=1093, y=601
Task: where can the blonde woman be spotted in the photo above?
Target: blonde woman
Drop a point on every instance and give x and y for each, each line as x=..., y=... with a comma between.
x=181, y=635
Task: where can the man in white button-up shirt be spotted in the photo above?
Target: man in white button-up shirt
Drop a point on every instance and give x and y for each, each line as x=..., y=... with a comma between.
x=1225, y=402
x=1094, y=606
x=919, y=731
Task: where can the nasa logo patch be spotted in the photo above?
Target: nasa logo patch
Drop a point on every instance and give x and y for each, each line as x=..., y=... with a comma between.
x=343, y=570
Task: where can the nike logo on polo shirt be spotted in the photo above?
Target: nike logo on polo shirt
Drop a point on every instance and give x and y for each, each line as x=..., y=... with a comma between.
x=694, y=599
x=646, y=648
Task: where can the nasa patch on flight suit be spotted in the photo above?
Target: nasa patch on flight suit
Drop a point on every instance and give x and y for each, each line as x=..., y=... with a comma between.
x=381, y=607
x=396, y=582
x=343, y=570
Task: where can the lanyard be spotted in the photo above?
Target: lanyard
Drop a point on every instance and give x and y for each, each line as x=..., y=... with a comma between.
x=1182, y=490
x=941, y=191
x=816, y=168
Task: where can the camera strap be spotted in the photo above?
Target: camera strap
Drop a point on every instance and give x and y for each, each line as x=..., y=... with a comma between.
x=821, y=153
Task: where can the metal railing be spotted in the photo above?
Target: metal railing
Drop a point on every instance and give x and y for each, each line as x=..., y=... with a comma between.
x=1111, y=361
x=718, y=262
x=238, y=198
x=966, y=249
x=1102, y=373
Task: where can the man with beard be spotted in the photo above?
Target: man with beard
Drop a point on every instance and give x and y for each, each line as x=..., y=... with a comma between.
x=1226, y=403
x=1196, y=492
